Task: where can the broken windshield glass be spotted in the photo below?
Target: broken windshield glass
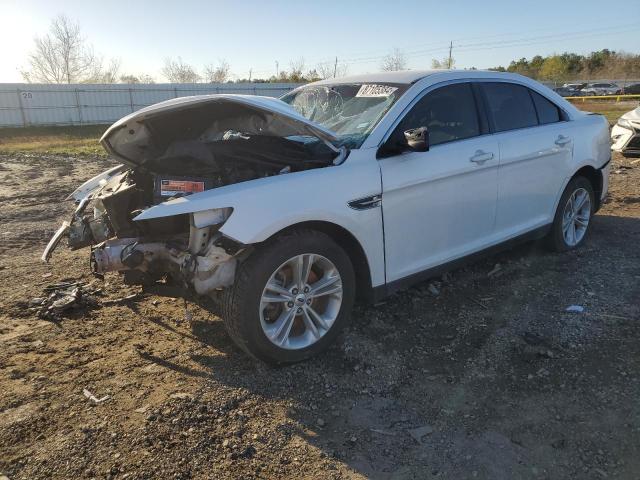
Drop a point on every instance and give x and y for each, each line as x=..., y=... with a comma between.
x=351, y=111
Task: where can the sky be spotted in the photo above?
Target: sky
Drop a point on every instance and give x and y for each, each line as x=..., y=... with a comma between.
x=254, y=35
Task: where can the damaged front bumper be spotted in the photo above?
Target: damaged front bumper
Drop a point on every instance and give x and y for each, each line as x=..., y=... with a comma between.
x=201, y=261
x=55, y=240
x=204, y=271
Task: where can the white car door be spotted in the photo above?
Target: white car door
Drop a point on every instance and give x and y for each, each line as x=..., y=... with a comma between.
x=536, y=149
x=440, y=204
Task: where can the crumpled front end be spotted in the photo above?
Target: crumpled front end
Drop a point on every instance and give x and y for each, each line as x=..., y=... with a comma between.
x=168, y=251
x=204, y=269
x=177, y=153
x=625, y=134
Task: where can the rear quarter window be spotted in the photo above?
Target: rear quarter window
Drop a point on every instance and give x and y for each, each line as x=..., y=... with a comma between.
x=510, y=106
x=547, y=110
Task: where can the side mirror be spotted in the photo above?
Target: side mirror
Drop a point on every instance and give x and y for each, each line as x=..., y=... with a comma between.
x=417, y=139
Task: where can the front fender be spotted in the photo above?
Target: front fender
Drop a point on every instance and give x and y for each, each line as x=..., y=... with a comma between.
x=263, y=207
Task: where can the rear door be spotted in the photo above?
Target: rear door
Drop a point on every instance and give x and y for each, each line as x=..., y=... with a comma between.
x=536, y=148
x=440, y=204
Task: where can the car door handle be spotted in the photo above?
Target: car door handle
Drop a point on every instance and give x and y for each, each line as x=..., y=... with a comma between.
x=562, y=140
x=480, y=157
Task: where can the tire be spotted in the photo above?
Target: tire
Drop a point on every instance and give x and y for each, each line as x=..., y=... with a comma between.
x=248, y=319
x=558, y=239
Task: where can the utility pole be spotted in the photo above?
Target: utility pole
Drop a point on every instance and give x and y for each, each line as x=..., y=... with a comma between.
x=250, y=70
x=450, y=48
x=335, y=68
x=277, y=71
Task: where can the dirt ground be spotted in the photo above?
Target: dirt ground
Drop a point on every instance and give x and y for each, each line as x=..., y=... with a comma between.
x=476, y=376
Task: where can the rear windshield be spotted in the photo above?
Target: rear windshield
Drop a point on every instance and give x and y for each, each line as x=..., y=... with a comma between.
x=351, y=111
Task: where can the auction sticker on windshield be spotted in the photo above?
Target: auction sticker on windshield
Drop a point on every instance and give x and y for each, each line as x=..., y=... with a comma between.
x=368, y=90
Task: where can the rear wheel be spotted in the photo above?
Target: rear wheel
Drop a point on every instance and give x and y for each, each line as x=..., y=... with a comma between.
x=291, y=297
x=573, y=216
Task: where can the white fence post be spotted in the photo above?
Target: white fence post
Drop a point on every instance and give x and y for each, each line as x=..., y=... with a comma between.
x=22, y=112
x=79, y=106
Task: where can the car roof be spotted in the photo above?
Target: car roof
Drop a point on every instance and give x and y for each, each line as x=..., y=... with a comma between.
x=409, y=77
x=401, y=76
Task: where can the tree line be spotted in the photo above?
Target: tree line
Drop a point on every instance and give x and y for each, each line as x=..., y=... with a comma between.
x=571, y=66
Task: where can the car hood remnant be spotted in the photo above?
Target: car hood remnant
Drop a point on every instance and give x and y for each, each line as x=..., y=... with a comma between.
x=188, y=124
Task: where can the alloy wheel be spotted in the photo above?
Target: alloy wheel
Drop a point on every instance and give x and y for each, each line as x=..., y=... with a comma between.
x=576, y=216
x=301, y=301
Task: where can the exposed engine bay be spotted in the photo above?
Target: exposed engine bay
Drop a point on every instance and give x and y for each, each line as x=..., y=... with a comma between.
x=175, y=152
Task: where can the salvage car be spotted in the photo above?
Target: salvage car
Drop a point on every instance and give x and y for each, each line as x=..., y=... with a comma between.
x=594, y=89
x=625, y=134
x=288, y=209
x=633, y=89
x=568, y=92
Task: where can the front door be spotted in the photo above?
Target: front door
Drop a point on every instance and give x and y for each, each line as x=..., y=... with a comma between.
x=440, y=204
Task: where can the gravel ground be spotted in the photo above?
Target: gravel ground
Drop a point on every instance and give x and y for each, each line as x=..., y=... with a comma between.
x=480, y=374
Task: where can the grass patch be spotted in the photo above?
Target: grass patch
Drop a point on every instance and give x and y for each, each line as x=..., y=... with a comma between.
x=610, y=109
x=73, y=140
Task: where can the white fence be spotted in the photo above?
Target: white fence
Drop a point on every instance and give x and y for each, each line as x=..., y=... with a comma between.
x=23, y=104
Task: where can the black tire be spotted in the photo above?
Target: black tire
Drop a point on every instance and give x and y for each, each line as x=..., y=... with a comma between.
x=555, y=239
x=241, y=302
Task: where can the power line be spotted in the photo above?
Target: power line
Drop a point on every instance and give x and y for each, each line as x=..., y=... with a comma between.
x=438, y=47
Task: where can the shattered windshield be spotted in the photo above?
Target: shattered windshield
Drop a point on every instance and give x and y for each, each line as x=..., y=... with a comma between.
x=351, y=111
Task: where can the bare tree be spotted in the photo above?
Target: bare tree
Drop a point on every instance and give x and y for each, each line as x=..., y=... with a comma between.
x=177, y=71
x=218, y=74
x=395, y=60
x=107, y=75
x=331, y=69
x=145, y=78
x=64, y=56
x=445, y=63
x=297, y=68
x=134, y=79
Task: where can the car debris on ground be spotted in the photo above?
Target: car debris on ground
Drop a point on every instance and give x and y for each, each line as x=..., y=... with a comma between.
x=575, y=309
x=63, y=297
x=93, y=398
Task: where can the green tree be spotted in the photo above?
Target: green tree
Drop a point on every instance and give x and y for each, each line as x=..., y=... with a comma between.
x=520, y=66
x=553, y=68
x=535, y=65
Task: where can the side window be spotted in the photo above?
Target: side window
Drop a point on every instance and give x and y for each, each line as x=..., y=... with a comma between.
x=547, y=111
x=510, y=106
x=449, y=113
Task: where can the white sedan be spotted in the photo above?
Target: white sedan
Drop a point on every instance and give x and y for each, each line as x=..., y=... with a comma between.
x=287, y=210
x=625, y=134
x=601, y=89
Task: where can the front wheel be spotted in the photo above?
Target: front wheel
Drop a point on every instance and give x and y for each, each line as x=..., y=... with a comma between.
x=573, y=216
x=291, y=297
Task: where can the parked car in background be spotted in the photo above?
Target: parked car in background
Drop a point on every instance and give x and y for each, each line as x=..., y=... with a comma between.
x=625, y=134
x=575, y=86
x=601, y=89
x=568, y=92
x=275, y=207
x=633, y=89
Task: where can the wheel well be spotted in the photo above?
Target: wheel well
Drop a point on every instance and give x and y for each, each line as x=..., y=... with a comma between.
x=350, y=244
x=595, y=178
